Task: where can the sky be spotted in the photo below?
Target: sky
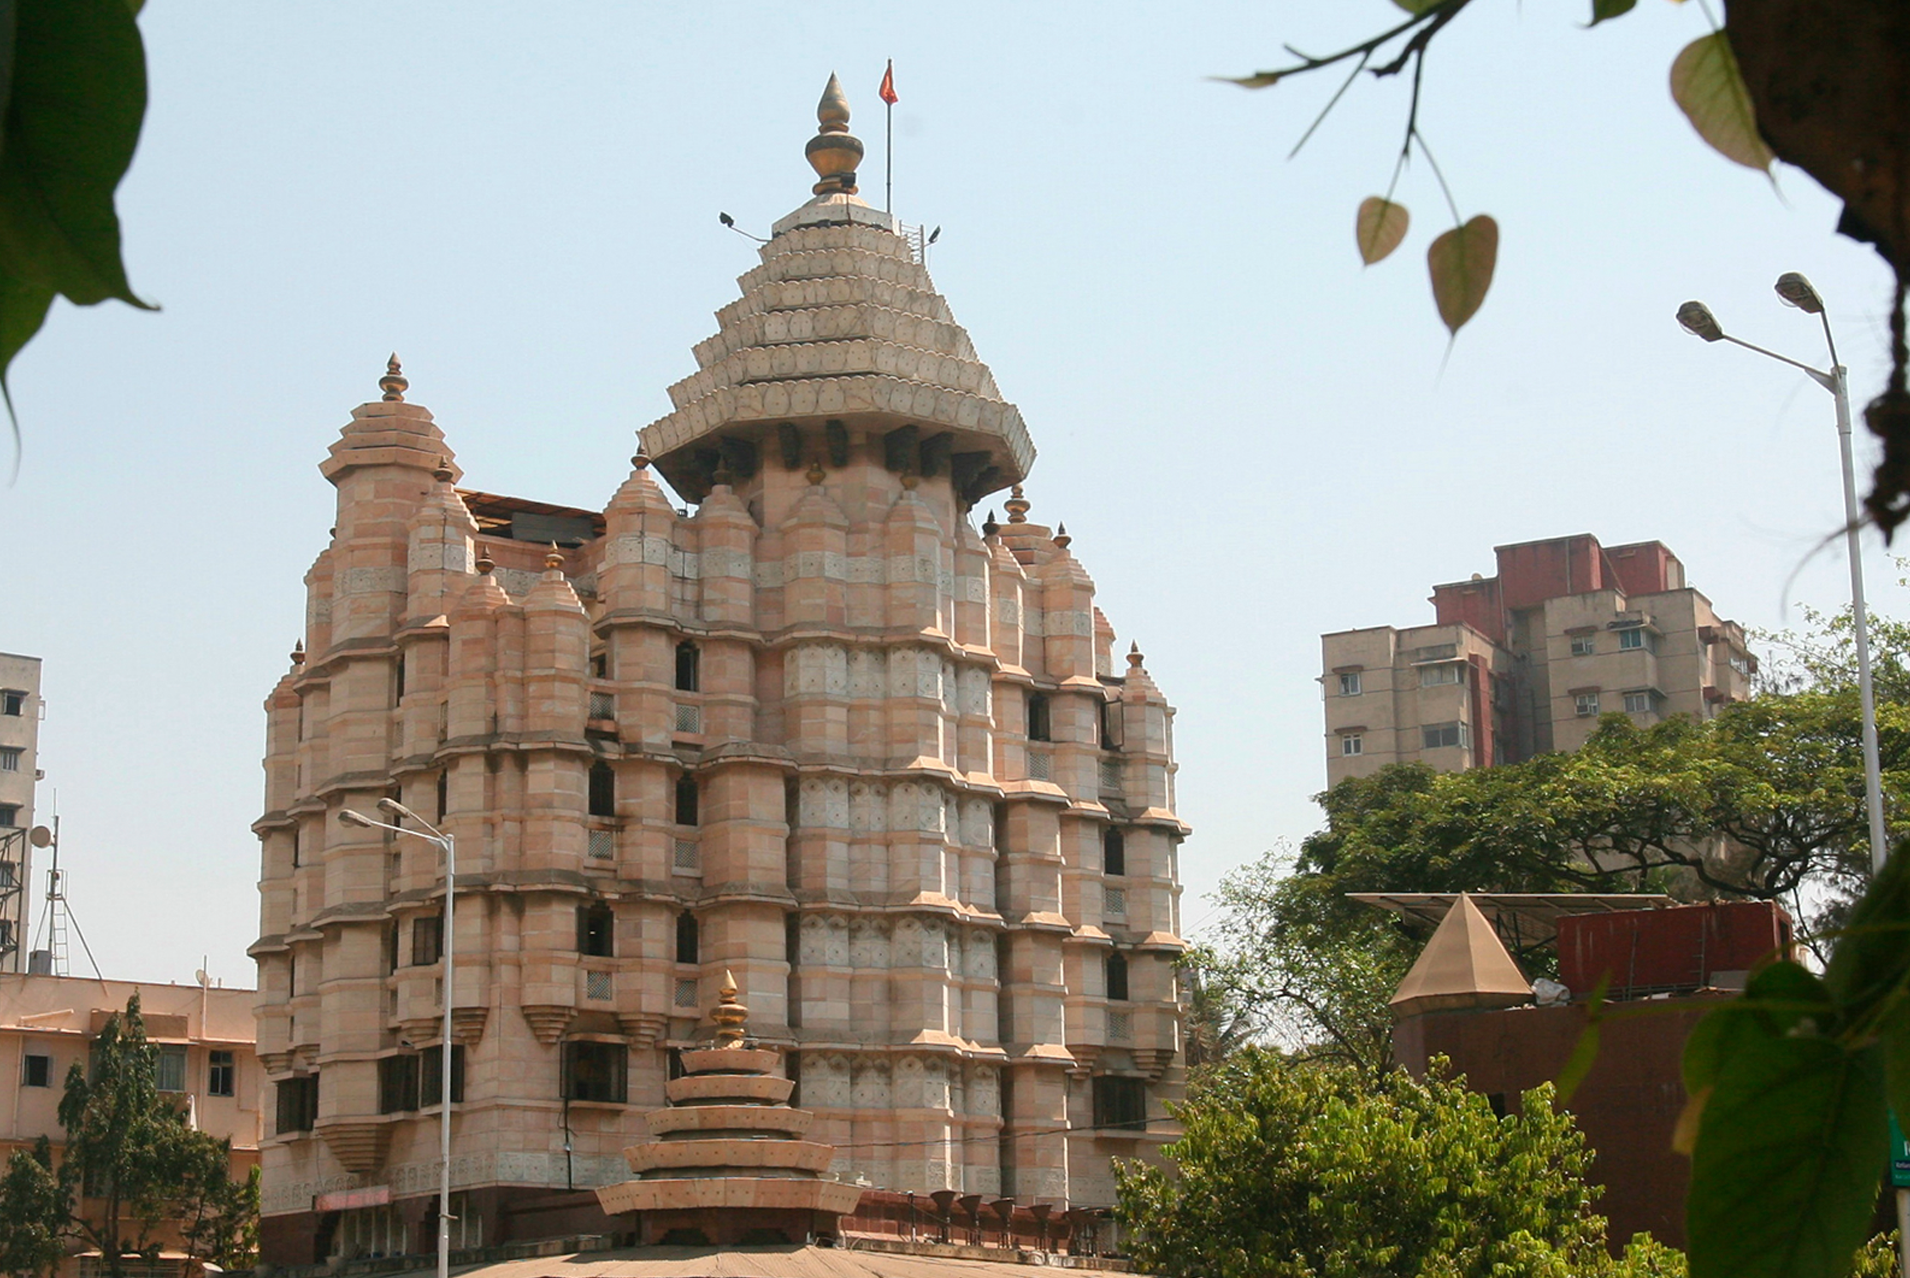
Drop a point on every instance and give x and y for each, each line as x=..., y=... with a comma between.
x=1252, y=438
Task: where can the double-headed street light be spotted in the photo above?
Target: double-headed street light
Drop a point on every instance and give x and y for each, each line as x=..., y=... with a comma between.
x=431, y=834
x=1797, y=291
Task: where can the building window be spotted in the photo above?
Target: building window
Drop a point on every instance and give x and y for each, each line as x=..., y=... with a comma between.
x=1583, y=645
x=686, y=938
x=596, y=1072
x=1637, y=637
x=1350, y=684
x=9, y=815
x=600, y=665
x=13, y=702
x=444, y=793
x=1436, y=736
x=1039, y=727
x=1110, y=725
x=431, y=1075
x=1585, y=704
x=427, y=939
x=689, y=667
x=687, y=801
x=1120, y=1102
x=172, y=1069
x=1741, y=664
x=1638, y=702
x=10, y=759
x=36, y=1071
x=1113, y=852
x=1351, y=744
x=596, y=931
x=1117, y=977
x=397, y=1084
x=221, y=1074
x=297, y=1104
x=603, y=790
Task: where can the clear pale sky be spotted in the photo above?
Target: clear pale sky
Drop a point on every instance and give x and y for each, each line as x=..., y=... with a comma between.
x=1250, y=436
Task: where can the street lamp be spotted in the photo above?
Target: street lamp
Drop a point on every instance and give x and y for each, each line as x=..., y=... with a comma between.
x=431, y=834
x=1796, y=291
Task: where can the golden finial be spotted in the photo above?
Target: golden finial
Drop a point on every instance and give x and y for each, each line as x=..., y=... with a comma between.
x=909, y=480
x=1061, y=539
x=1134, y=657
x=816, y=474
x=989, y=526
x=443, y=473
x=484, y=562
x=393, y=383
x=1017, y=506
x=641, y=461
x=298, y=652
x=553, y=558
x=834, y=152
x=730, y=1016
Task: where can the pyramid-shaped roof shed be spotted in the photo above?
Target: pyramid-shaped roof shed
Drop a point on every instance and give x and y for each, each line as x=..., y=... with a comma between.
x=1464, y=965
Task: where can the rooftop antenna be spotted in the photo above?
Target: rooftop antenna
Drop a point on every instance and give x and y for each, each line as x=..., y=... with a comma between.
x=730, y=222
x=58, y=916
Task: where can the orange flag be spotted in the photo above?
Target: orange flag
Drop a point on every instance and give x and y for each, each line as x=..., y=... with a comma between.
x=887, y=91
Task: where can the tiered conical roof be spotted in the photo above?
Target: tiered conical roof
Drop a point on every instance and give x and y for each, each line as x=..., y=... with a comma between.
x=726, y=1161
x=841, y=321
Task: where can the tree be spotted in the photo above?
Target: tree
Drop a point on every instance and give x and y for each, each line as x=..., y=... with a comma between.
x=1307, y=1170
x=33, y=1213
x=131, y=1147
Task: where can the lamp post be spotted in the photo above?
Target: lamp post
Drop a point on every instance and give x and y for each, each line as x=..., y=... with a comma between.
x=1796, y=291
x=431, y=834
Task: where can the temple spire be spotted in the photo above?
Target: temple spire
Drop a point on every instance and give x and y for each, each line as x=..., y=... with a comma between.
x=834, y=152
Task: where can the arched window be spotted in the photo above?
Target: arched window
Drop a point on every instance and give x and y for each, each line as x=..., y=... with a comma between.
x=1038, y=726
x=688, y=667
x=686, y=801
x=1117, y=977
x=603, y=790
x=1113, y=852
x=687, y=941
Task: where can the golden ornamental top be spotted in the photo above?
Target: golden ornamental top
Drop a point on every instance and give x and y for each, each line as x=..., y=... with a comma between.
x=730, y=1016
x=834, y=152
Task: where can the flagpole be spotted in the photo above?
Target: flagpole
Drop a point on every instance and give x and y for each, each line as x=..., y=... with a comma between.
x=888, y=147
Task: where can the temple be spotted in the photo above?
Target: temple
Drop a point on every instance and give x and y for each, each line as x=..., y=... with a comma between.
x=807, y=723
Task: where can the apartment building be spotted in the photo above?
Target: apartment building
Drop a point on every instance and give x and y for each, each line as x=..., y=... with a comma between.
x=831, y=731
x=1525, y=661
x=20, y=708
x=205, y=1062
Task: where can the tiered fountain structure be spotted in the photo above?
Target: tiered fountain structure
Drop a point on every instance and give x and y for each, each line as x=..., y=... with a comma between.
x=726, y=1163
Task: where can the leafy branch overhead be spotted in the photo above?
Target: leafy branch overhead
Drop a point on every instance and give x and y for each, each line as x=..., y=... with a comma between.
x=1705, y=83
x=1821, y=84
x=73, y=81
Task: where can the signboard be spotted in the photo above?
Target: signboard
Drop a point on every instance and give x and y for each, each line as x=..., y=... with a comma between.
x=1899, y=1155
x=346, y=1199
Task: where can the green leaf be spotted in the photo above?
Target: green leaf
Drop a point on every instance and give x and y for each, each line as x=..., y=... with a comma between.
x=1461, y=262
x=23, y=309
x=1708, y=87
x=1258, y=80
x=1416, y=7
x=1604, y=10
x=79, y=96
x=1380, y=226
x=1789, y=1152
x=1872, y=959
